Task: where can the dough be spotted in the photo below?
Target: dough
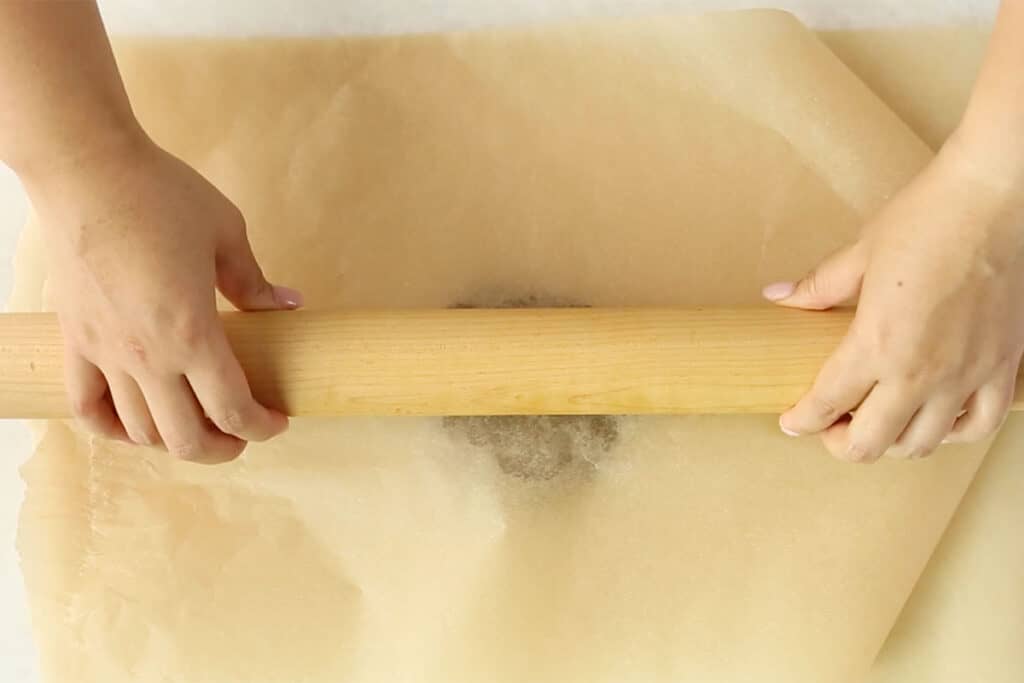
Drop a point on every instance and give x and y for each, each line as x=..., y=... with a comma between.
x=677, y=161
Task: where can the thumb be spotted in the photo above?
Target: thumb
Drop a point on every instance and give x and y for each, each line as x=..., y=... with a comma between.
x=241, y=281
x=835, y=280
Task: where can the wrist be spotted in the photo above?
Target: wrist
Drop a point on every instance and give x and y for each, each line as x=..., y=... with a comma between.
x=87, y=154
x=993, y=154
x=984, y=186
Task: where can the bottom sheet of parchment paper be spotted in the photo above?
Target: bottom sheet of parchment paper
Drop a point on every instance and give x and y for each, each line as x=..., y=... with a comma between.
x=682, y=160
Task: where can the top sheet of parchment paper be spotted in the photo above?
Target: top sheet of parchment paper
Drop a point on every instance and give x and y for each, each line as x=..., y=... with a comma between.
x=965, y=619
x=676, y=161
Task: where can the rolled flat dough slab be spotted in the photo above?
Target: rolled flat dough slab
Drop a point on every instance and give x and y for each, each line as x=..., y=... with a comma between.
x=678, y=161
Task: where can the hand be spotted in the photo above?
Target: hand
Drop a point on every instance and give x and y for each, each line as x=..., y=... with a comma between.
x=137, y=242
x=933, y=352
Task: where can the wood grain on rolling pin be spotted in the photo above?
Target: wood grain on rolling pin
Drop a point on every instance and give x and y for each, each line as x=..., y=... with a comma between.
x=486, y=361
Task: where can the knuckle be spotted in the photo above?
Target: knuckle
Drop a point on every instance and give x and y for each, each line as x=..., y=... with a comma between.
x=223, y=450
x=825, y=409
x=135, y=349
x=191, y=332
x=990, y=425
x=923, y=452
x=144, y=436
x=878, y=337
x=915, y=373
x=83, y=335
x=812, y=283
x=234, y=419
x=901, y=452
x=235, y=450
x=912, y=374
x=189, y=449
x=230, y=280
x=980, y=368
x=970, y=435
x=243, y=281
x=981, y=427
x=85, y=407
x=861, y=451
x=918, y=451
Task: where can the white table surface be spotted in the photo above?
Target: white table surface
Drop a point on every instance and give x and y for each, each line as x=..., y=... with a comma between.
x=319, y=17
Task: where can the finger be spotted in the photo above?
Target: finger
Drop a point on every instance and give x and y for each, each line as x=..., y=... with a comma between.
x=90, y=401
x=836, y=279
x=929, y=427
x=223, y=392
x=878, y=422
x=183, y=428
x=836, y=437
x=840, y=387
x=132, y=409
x=240, y=278
x=986, y=410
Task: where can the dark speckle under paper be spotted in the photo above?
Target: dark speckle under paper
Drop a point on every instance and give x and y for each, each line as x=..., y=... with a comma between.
x=535, y=447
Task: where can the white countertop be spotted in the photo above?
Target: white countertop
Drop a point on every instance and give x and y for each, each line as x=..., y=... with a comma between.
x=320, y=17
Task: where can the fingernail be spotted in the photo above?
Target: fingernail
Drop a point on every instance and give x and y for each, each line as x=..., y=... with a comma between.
x=288, y=297
x=787, y=431
x=282, y=420
x=778, y=291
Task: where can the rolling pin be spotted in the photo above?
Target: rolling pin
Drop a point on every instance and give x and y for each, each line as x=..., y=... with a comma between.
x=565, y=361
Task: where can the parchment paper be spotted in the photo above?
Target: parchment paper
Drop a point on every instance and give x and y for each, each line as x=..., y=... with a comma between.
x=965, y=619
x=677, y=161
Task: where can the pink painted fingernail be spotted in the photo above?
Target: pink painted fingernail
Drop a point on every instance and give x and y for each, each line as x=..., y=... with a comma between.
x=786, y=430
x=288, y=297
x=778, y=291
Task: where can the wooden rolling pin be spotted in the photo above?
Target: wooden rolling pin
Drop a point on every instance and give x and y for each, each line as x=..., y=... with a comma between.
x=486, y=361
